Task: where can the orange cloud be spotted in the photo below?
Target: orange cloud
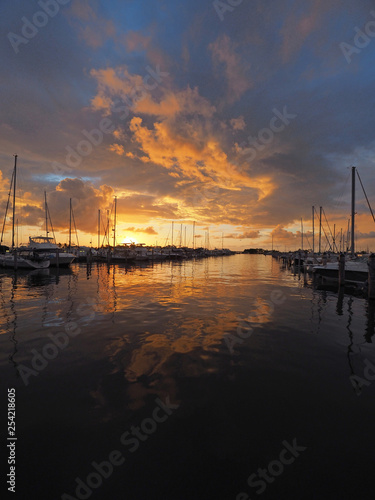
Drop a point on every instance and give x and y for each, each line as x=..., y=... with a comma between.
x=147, y=230
x=199, y=159
x=117, y=148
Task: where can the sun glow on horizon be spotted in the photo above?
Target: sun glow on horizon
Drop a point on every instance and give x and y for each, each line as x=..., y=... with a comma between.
x=128, y=240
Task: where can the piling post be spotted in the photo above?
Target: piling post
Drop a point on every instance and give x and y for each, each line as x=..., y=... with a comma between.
x=57, y=257
x=371, y=276
x=341, y=269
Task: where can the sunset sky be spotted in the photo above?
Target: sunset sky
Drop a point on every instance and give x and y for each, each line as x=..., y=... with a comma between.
x=237, y=115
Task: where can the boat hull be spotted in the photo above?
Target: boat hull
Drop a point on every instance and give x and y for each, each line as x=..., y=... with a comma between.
x=10, y=262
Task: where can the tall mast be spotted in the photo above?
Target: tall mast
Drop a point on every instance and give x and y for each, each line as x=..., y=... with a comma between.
x=14, y=198
x=313, y=235
x=334, y=237
x=108, y=227
x=301, y=233
x=320, y=231
x=341, y=243
x=98, y=228
x=172, y=233
x=114, y=226
x=46, y=209
x=348, y=236
x=70, y=223
x=353, y=210
x=193, y=235
x=181, y=237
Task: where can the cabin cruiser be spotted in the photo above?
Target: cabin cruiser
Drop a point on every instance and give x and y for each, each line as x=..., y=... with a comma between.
x=45, y=247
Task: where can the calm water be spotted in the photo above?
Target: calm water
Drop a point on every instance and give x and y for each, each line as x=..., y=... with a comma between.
x=191, y=377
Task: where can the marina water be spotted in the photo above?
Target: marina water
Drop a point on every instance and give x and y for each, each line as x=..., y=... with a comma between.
x=221, y=378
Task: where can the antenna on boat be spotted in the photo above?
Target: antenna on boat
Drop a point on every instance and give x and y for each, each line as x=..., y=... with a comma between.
x=14, y=198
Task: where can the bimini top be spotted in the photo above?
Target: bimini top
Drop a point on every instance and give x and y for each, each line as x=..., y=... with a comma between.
x=42, y=242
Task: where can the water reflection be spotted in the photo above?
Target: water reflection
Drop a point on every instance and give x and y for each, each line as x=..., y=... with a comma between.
x=156, y=324
x=370, y=325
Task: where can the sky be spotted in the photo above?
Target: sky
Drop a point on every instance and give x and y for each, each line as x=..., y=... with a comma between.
x=238, y=115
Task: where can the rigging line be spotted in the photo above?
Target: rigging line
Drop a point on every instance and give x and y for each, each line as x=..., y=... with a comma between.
x=368, y=203
x=50, y=221
x=6, y=210
x=75, y=228
x=326, y=237
x=339, y=202
x=333, y=239
x=167, y=238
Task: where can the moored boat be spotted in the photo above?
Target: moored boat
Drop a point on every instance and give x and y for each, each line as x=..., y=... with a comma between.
x=45, y=247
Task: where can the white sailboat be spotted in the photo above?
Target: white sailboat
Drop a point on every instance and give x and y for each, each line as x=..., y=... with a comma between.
x=18, y=259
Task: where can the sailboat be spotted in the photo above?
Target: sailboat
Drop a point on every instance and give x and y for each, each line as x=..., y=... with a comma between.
x=356, y=269
x=46, y=247
x=19, y=259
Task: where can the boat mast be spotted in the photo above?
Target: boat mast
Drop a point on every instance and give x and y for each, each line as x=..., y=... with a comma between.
x=320, y=231
x=353, y=210
x=14, y=198
x=45, y=206
x=98, y=228
x=114, y=225
x=70, y=223
x=193, y=235
x=301, y=234
x=313, y=232
x=172, y=233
